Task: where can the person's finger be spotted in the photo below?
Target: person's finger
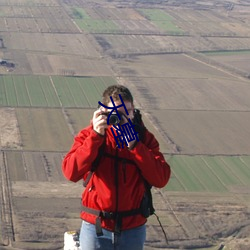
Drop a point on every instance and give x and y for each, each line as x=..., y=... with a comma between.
x=97, y=113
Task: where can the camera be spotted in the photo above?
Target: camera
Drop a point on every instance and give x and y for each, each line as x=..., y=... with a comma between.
x=114, y=118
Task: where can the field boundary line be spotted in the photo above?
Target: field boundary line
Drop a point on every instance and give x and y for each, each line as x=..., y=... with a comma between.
x=182, y=184
x=27, y=89
x=248, y=166
x=25, y=166
x=232, y=171
x=80, y=85
x=65, y=115
x=79, y=29
x=69, y=90
x=173, y=213
x=54, y=87
x=214, y=172
x=197, y=177
x=218, y=67
x=5, y=93
x=15, y=90
x=153, y=120
x=42, y=88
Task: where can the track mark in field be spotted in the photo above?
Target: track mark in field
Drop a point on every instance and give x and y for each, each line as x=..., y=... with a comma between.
x=245, y=163
x=47, y=167
x=232, y=171
x=82, y=89
x=177, y=178
x=43, y=91
x=171, y=210
x=219, y=179
x=65, y=114
x=156, y=124
x=69, y=122
x=6, y=228
x=54, y=87
x=223, y=68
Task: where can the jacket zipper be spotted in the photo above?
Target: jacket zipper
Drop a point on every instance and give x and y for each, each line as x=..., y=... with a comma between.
x=116, y=166
x=117, y=219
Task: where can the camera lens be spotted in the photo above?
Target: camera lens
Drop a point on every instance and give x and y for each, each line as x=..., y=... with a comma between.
x=114, y=119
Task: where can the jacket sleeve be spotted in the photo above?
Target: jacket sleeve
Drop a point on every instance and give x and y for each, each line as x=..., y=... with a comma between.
x=151, y=161
x=83, y=152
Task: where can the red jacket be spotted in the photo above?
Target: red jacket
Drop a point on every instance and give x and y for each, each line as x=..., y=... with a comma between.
x=101, y=192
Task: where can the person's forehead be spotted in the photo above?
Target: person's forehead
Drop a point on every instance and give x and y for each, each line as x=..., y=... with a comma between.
x=128, y=104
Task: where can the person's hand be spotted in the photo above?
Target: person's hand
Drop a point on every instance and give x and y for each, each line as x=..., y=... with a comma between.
x=131, y=144
x=99, y=121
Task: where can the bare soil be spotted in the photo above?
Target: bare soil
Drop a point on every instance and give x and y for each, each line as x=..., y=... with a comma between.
x=10, y=135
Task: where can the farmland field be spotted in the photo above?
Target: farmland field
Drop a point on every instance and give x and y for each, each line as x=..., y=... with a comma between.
x=197, y=86
x=187, y=65
x=209, y=173
x=55, y=91
x=236, y=59
x=207, y=22
x=97, y=25
x=162, y=20
x=224, y=43
x=216, y=132
x=111, y=20
x=54, y=54
x=51, y=44
x=39, y=130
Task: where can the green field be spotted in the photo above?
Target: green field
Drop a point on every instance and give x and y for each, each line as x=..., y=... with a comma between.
x=156, y=15
x=87, y=23
x=55, y=91
x=208, y=173
x=162, y=20
x=92, y=25
x=226, y=53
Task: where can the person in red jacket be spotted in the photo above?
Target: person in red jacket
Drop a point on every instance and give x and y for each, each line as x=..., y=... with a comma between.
x=113, y=199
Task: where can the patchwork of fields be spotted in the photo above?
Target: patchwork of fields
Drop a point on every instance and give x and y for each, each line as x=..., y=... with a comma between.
x=197, y=105
x=38, y=101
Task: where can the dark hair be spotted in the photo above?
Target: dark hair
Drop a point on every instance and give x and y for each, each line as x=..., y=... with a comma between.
x=114, y=91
